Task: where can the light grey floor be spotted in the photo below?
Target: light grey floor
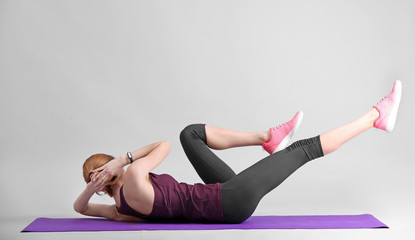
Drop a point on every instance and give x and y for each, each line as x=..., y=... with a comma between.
x=10, y=229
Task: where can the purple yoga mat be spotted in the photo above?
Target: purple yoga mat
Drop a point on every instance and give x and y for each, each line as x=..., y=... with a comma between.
x=254, y=222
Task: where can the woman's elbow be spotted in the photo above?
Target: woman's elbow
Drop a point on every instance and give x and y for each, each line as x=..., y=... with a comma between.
x=78, y=209
x=166, y=144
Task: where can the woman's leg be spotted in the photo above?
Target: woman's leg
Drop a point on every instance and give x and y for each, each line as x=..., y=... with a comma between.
x=220, y=138
x=208, y=166
x=382, y=116
x=242, y=193
x=197, y=139
x=272, y=140
x=256, y=181
x=332, y=140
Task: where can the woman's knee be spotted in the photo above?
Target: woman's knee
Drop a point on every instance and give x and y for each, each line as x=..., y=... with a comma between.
x=193, y=130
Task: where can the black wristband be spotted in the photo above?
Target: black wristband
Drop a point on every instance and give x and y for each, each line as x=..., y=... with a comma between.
x=130, y=157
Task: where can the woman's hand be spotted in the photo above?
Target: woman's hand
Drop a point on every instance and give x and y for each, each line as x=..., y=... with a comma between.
x=113, y=167
x=98, y=183
x=93, y=186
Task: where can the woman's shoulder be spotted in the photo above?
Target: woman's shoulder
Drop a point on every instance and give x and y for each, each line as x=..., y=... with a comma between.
x=134, y=177
x=139, y=184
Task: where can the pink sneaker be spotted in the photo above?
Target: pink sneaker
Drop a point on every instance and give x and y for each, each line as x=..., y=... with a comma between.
x=388, y=108
x=281, y=135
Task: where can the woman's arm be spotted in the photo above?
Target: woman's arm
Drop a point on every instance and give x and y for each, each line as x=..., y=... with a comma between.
x=149, y=157
x=95, y=185
x=83, y=206
x=81, y=203
x=146, y=159
x=108, y=211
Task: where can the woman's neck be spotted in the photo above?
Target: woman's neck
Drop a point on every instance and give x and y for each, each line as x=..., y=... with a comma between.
x=116, y=189
x=119, y=183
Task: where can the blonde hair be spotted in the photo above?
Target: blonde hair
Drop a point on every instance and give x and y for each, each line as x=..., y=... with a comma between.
x=96, y=161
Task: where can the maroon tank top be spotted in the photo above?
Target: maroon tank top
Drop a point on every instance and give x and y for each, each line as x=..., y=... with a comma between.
x=175, y=201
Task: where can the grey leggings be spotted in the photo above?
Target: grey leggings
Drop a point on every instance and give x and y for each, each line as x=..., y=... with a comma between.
x=242, y=192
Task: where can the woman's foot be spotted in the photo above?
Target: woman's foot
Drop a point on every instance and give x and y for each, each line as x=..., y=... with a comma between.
x=388, y=108
x=281, y=135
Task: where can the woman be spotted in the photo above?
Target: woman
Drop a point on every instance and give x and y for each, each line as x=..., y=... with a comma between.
x=225, y=197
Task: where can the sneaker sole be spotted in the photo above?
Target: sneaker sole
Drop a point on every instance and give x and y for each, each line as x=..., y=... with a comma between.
x=287, y=138
x=394, y=112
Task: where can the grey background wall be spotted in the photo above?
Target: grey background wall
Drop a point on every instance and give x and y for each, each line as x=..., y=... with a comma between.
x=81, y=77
